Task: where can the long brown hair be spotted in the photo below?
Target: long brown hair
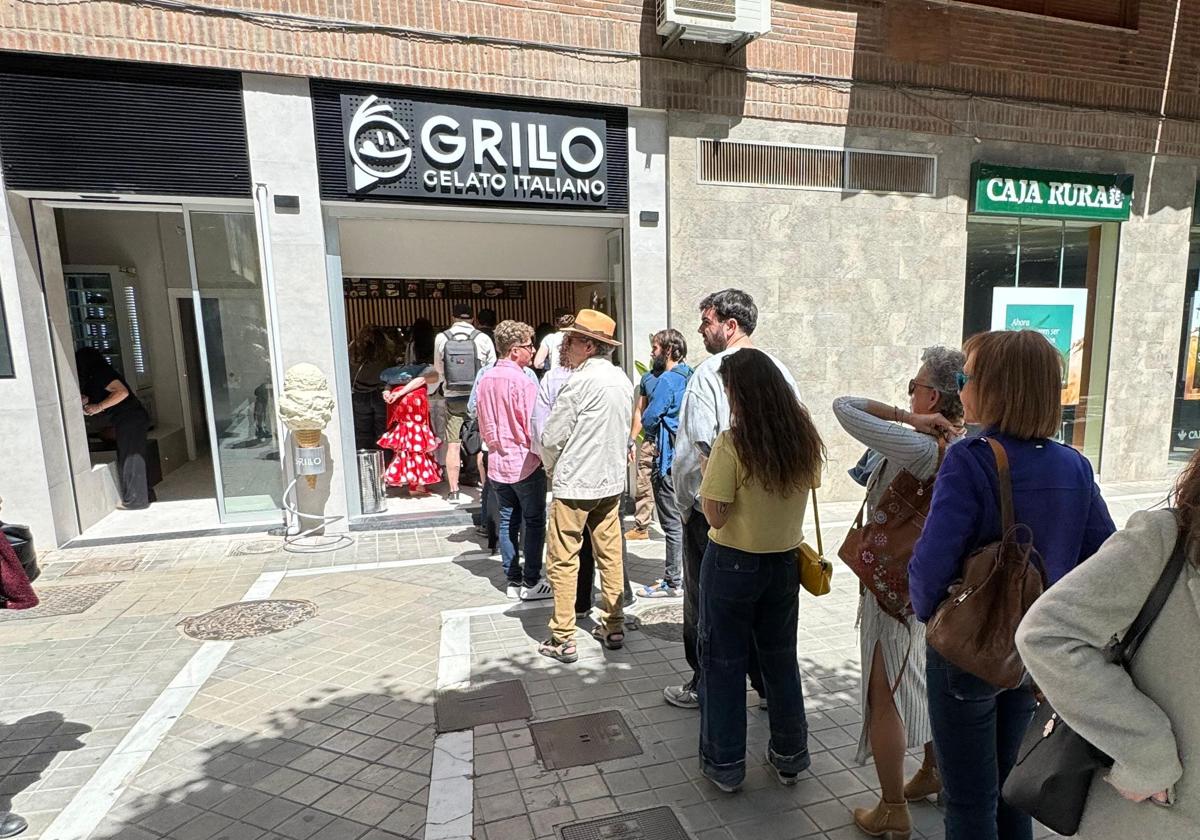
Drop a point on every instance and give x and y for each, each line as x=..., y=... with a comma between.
x=772, y=433
x=372, y=345
x=1186, y=501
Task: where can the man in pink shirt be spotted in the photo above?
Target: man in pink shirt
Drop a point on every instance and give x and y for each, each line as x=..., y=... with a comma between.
x=505, y=399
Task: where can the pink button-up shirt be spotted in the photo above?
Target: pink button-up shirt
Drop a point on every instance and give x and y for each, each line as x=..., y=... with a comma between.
x=505, y=401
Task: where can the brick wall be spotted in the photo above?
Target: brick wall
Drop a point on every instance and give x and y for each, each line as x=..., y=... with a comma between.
x=936, y=67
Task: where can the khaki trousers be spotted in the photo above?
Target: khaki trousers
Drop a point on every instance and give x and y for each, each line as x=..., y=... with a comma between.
x=568, y=518
x=644, y=499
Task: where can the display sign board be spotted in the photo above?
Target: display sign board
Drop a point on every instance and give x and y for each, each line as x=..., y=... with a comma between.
x=1050, y=194
x=1058, y=314
x=410, y=148
x=434, y=289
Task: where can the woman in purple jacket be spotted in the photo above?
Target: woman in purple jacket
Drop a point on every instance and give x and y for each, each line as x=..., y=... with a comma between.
x=1011, y=386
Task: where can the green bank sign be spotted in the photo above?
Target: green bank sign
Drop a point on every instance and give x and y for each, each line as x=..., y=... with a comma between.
x=1046, y=193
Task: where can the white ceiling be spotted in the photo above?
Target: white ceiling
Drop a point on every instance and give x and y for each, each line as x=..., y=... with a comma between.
x=441, y=250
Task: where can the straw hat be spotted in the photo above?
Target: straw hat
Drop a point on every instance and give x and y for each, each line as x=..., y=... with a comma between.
x=594, y=325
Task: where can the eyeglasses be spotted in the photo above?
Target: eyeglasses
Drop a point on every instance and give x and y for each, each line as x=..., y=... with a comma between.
x=913, y=384
x=962, y=378
x=526, y=346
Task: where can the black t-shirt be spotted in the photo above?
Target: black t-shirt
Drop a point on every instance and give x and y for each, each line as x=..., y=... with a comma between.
x=93, y=384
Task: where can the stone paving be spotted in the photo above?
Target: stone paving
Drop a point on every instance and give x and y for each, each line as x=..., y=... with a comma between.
x=325, y=730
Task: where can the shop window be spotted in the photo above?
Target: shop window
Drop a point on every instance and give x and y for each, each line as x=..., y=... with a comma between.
x=6, y=360
x=1185, y=429
x=1122, y=13
x=1056, y=277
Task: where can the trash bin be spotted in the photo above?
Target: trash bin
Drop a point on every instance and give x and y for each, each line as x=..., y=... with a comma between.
x=370, y=480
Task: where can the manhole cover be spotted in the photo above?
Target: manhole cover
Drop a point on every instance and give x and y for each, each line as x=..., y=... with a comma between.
x=665, y=622
x=492, y=703
x=255, y=547
x=103, y=566
x=247, y=619
x=652, y=824
x=63, y=600
x=583, y=739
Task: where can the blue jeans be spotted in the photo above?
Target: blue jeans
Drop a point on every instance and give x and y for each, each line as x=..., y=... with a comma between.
x=523, y=502
x=977, y=730
x=749, y=600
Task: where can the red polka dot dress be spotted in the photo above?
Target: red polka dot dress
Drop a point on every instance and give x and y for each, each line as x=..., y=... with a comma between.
x=409, y=435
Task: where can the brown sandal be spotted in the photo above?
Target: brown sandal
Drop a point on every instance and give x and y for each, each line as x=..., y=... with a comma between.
x=611, y=641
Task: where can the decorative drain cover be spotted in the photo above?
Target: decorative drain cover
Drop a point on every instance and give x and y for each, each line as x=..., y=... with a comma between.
x=247, y=619
x=255, y=547
x=665, y=622
x=583, y=739
x=63, y=600
x=103, y=566
x=492, y=703
x=652, y=824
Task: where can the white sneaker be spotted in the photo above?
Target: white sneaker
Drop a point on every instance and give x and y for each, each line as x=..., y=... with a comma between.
x=540, y=592
x=513, y=592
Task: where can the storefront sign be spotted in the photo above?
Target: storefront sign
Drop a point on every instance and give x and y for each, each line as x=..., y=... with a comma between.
x=1058, y=314
x=435, y=289
x=1044, y=193
x=410, y=148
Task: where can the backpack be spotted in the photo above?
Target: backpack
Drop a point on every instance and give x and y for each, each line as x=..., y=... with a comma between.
x=460, y=360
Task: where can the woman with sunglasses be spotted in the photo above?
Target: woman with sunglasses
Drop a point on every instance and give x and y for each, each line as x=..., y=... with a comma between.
x=893, y=703
x=1011, y=387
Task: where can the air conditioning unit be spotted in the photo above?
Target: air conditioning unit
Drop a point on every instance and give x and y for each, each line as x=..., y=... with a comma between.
x=733, y=22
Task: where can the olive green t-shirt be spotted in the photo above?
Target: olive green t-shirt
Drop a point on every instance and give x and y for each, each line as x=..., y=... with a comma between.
x=759, y=522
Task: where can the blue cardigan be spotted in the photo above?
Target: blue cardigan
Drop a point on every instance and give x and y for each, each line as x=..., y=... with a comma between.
x=1054, y=493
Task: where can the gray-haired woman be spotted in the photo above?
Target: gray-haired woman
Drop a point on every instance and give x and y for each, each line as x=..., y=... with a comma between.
x=894, y=707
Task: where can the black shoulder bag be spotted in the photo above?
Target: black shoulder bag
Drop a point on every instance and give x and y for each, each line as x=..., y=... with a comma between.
x=1055, y=765
x=20, y=539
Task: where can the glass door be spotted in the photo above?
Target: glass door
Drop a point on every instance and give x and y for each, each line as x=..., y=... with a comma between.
x=235, y=359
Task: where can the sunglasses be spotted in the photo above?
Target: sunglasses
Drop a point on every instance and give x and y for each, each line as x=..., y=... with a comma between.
x=963, y=379
x=914, y=384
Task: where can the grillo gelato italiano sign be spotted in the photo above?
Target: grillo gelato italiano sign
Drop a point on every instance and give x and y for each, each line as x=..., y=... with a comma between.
x=1046, y=193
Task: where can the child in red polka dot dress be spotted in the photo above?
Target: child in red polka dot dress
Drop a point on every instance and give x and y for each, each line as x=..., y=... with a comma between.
x=409, y=433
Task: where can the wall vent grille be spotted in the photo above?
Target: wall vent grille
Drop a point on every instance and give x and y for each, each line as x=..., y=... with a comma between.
x=707, y=8
x=740, y=163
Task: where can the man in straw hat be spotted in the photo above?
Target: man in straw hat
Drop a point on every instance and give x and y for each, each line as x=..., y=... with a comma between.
x=583, y=449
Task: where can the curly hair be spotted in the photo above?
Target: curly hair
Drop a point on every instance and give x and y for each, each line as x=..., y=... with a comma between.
x=672, y=344
x=942, y=366
x=735, y=304
x=509, y=334
x=772, y=433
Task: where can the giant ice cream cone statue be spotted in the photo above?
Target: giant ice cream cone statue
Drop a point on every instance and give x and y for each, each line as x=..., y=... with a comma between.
x=306, y=406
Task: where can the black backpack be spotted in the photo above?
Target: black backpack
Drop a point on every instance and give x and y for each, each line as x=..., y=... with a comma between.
x=460, y=361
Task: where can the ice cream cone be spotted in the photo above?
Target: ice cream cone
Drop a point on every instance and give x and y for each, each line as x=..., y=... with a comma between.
x=308, y=438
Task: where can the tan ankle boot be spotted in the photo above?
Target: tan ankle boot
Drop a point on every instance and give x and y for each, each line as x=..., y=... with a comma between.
x=927, y=782
x=887, y=819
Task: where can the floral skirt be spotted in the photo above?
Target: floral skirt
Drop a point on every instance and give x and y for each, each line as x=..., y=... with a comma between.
x=413, y=441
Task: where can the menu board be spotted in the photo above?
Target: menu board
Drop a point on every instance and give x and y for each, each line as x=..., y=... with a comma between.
x=434, y=289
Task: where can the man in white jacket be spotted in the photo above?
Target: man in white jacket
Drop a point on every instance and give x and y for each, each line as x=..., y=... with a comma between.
x=584, y=451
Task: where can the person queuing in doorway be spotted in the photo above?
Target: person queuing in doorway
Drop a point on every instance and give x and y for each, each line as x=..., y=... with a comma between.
x=659, y=422
x=1143, y=718
x=105, y=393
x=727, y=320
x=410, y=433
x=894, y=706
x=459, y=354
x=1011, y=386
x=754, y=494
x=371, y=352
x=505, y=401
x=583, y=447
x=487, y=323
x=547, y=357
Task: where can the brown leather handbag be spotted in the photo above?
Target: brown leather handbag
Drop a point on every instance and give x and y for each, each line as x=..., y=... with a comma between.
x=879, y=550
x=975, y=628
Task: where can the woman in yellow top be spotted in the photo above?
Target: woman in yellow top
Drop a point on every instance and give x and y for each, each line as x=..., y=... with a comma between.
x=755, y=488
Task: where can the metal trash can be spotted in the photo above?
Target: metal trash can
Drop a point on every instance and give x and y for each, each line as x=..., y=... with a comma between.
x=370, y=480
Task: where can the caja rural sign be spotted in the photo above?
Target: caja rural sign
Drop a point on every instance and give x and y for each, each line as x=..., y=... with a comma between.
x=1046, y=193
x=413, y=149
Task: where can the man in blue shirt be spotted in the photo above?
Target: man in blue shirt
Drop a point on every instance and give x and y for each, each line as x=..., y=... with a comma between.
x=660, y=423
x=641, y=453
